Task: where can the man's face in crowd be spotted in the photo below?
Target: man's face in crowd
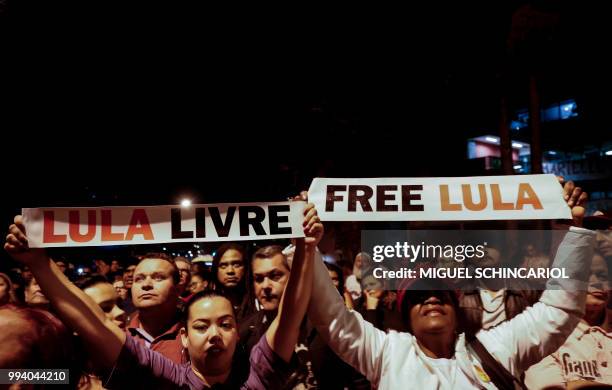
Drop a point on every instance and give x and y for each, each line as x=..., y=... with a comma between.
x=361, y=264
x=231, y=268
x=26, y=274
x=153, y=285
x=604, y=242
x=270, y=278
x=61, y=265
x=102, y=267
x=211, y=335
x=432, y=313
x=358, y=262
x=197, y=284
x=34, y=295
x=334, y=277
x=114, y=266
x=185, y=272
x=120, y=289
x=128, y=276
x=492, y=258
x=597, y=296
x=105, y=296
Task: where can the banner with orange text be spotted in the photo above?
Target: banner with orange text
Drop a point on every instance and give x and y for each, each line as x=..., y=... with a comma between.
x=439, y=199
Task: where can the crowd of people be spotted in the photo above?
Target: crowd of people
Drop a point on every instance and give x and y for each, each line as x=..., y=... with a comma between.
x=292, y=317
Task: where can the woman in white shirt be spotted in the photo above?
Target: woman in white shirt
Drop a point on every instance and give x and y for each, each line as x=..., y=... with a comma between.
x=435, y=354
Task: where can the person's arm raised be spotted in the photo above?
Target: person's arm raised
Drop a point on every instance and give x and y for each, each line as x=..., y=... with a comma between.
x=73, y=306
x=542, y=328
x=283, y=332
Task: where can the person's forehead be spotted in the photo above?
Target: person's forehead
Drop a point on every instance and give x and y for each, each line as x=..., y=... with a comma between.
x=264, y=265
x=153, y=265
x=196, y=278
x=182, y=265
x=211, y=309
x=230, y=254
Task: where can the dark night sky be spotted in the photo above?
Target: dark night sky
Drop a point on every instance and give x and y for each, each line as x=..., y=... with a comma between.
x=137, y=105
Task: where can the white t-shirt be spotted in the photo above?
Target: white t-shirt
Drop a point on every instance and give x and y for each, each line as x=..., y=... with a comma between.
x=451, y=377
x=586, y=355
x=494, y=309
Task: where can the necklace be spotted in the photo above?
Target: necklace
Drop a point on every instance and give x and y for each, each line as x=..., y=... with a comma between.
x=499, y=305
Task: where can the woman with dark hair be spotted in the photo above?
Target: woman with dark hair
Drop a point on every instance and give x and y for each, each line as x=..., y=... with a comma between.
x=209, y=334
x=436, y=354
x=371, y=305
x=231, y=273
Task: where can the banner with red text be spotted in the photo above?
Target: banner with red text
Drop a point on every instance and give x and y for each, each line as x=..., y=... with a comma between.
x=96, y=226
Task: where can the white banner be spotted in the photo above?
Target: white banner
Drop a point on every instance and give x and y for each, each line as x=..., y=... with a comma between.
x=439, y=199
x=81, y=226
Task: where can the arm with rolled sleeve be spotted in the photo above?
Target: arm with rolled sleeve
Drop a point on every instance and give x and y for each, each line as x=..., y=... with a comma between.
x=543, y=328
x=353, y=339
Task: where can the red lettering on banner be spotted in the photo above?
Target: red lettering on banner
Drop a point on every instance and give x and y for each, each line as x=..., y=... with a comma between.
x=139, y=224
x=74, y=222
x=107, y=227
x=49, y=235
